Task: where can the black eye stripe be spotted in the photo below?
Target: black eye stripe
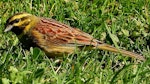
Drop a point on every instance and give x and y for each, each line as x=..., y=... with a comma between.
x=14, y=21
x=24, y=18
x=17, y=20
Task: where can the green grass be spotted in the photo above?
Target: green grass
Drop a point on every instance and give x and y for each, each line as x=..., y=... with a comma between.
x=127, y=21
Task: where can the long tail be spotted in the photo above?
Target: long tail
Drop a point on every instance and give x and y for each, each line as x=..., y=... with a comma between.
x=124, y=52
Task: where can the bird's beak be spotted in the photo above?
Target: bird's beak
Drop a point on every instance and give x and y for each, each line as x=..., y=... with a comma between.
x=8, y=28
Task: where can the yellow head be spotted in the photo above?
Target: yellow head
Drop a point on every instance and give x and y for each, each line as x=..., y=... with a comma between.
x=20, y=23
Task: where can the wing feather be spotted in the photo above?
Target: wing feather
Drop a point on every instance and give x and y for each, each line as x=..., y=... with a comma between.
x=60, y=34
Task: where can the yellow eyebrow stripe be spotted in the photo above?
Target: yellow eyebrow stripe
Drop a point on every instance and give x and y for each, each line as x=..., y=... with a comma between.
x=19, y=16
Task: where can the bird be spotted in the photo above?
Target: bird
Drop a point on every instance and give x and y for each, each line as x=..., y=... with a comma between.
x=56, y=38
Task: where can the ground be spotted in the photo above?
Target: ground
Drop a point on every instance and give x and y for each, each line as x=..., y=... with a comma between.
x=121, y=23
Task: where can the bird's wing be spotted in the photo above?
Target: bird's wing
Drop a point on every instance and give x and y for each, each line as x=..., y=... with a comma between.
x=60, y=34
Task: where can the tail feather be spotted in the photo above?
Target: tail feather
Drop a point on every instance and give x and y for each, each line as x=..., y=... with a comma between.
x=124, y=52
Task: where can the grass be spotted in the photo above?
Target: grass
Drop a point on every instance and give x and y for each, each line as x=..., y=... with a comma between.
x=126, y=21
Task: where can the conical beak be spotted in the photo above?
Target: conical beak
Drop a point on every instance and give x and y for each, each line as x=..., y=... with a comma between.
x=8, y=28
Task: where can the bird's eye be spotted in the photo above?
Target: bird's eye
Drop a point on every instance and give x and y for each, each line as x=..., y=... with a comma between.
x=15, y=21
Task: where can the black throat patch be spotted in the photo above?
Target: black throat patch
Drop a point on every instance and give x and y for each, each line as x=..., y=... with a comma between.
x=17, y=30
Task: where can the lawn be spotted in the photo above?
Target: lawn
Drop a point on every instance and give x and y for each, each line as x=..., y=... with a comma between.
x=121, y=23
